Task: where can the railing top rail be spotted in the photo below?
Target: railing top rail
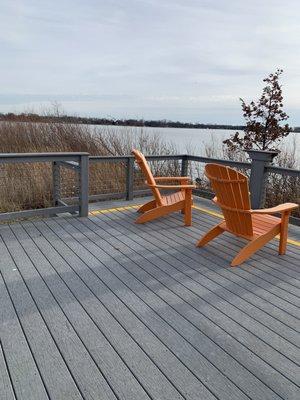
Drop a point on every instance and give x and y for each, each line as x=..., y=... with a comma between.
x=31, y=157
x=48, y=154
x=283, y=171
x=125, y=158
x=219, y=161
x=167, y=157
x=39, y=157
x=109, y=158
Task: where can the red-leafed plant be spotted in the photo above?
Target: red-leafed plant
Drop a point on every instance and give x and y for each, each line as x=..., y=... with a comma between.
x=265, y=118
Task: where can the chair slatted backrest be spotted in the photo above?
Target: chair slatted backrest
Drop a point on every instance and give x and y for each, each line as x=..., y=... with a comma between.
x=142, y=162
x=232, y=192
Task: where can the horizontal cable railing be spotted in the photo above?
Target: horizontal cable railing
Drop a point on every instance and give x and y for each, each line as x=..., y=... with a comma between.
x=33, y=184
x=43, y=184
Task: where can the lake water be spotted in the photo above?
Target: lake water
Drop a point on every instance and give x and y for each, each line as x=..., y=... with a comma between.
x=196, y=141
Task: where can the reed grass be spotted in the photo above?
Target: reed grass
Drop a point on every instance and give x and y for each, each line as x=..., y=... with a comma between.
x=25, y=186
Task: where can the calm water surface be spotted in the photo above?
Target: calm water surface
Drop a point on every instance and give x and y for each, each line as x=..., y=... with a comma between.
x=195, y=141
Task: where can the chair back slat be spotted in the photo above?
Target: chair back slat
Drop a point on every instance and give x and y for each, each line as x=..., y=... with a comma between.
x=232, y=192
x=142, y=162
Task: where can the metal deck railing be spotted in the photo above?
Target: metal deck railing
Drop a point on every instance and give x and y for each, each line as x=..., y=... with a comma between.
x=44, y=184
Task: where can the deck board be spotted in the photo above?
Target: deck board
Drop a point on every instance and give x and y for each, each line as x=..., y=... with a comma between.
x=238, y=302
x=183, y=351
x=220, y=319
x=116, y=330
x=187, y=329
x=174, y=239
x=102, y=308
x=224, y=248
x=98, y=329
x=6, y=388
x=130, y=316
x=50, y=298
x=195, y=262
x=31, y=298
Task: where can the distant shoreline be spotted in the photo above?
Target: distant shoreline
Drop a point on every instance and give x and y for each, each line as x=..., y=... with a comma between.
x=111, y=121
x=67, y=119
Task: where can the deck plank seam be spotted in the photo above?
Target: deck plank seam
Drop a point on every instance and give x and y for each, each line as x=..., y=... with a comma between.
x=204, y=222
x=211, y=215
x=208, y=338
x=266, y=250
x=23, y=331
x=164, y=320
x=6, y=364
x=254, y=266
x=46, y=325
x=235, y=272
x=261, y=358
x=251, y=315
x=197, y=350
x=254, y=305
x=67, y=318
x=238, y=271
x=293, y=250
x=228, y=271
x=150, y=396
x=151, y=288
x=201, y=209
x=275, y=281
x=96, y=324
x=292, y=344
x=142, y=321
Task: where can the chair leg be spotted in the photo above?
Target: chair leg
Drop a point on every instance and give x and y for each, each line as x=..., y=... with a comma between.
x=188, y=208
x=152, y=214
x=254, y=245
x=159, y=211
x=184, y=190
x=147, y=206
x=210, y=235
x=283, y=232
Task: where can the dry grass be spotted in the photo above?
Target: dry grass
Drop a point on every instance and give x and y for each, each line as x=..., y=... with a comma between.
x=25, y=186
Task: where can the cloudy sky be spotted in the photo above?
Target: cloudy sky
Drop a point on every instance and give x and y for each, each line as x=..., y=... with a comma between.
x=186, y=60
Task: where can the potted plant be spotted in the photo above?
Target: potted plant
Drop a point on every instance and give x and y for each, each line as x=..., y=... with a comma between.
x=265, y=127
x=265, y=122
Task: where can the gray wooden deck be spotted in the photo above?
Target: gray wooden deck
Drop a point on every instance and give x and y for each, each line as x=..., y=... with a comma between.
x=101, y=308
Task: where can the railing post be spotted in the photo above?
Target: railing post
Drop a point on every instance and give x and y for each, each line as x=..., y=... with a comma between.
x=258, y=178
x=184, y=165
x=129, y=178
x=84, y=185
x=56, y=182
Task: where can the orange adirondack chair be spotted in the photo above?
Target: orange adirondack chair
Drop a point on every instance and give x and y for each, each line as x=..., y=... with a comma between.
x=258, y=226
x=181, y=200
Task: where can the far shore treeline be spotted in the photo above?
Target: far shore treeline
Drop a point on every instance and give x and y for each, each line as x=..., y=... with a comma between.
x=163, y=123
x=32, y=117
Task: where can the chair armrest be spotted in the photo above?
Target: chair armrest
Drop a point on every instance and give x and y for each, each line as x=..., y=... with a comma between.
x=277, y=209
x=171, y=187
x=172, y=178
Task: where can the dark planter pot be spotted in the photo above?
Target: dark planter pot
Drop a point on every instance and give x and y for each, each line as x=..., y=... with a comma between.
x=265, y=156
x=258, y=178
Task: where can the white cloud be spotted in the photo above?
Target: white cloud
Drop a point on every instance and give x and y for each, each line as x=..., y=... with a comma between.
x=176, y=59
